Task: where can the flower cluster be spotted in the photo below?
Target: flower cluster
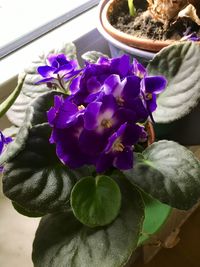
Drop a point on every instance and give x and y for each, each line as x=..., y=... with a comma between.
x=103, y=118
x=58, y=71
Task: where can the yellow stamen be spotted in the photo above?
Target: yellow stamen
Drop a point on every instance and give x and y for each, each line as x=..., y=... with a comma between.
x=106, y=123
x=148, y=96
x=117, y=146
x=81, y=107
x=120, y=101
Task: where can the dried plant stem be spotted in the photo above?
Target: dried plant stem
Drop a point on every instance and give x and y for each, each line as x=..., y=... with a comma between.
x=166, y=10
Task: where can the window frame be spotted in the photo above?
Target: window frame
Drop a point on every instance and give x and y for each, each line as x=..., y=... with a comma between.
x=33, y=35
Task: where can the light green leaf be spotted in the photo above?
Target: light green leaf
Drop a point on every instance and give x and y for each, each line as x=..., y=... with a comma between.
x=180, y=64
x=92, y=56
x=61, y=240
x=96, y=201
x=168, y=172
x=132, y=10
x=4, y=107
x=156, y=215
x=30, y=89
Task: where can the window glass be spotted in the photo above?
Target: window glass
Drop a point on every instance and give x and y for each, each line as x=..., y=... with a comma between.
x=21, y=17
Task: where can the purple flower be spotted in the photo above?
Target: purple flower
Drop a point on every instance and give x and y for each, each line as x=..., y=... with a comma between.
x=138, y=69
x=67, y=145
x=151, y=86
x=64, y=113
x=191, y=37
x=104, y=117
x=119, y=150
x=58, y=70
x=88, y=86
x=127, y=94
x=3, y=143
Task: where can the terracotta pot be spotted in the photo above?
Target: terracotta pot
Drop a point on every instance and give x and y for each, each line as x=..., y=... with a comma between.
x=106, y=9
x=118, y=48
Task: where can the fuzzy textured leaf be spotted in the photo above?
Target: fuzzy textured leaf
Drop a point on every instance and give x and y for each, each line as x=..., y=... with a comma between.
x=92, y=56
x=61, y=240
x=34, y=178
x=168, y=172
x=35, y=116
x=30, y=89
x=180, y=64
x=96, y=201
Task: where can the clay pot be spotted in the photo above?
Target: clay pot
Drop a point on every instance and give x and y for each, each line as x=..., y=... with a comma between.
x=117, y=47
x=141, y=43
x=142, y=48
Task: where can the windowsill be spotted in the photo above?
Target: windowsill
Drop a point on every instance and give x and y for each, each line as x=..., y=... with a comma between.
x=71, y=31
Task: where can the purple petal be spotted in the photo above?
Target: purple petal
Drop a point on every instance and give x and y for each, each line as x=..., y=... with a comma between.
x=131, y=134
x=103, y=61
x=91, y=115
x=132, y=87
x=46, y=71
x=62, y=60
x=58, y=101
x=92, y=143
x=151, y=104
x=63, y=113
x=104, y=162
x=64, y=69
x=137, y=106
x=124, y=160
x=4, y=141
x=123, y=115
x=52, y=60
x=117, y=135
x=120, y=65
x=51, y=115
x=93, y=85
x=74, y=86
x=113, y=85
x=138, y=69
x=109, y=105
x=154, y=84
x=71, y=74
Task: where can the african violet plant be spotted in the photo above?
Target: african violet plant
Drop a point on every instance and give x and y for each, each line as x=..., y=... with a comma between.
x=81, y=160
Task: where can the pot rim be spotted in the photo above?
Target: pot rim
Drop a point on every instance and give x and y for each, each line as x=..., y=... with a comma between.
x=122, y=46
x=129, y=40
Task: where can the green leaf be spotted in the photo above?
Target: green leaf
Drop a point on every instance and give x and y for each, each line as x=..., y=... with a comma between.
x=156, y=215
x=168, y=172
x=30, y=89
x=92, y=56
x=61, y=240
x=35, y=116
x=180, y=64
x=132, y=10
x=96, y=201
x=34, y=177
x=4, y=107
x=26, y=212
